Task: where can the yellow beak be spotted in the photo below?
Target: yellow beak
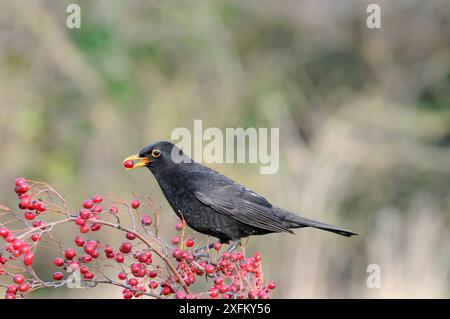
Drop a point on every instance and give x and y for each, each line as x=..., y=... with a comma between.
x=142, y=161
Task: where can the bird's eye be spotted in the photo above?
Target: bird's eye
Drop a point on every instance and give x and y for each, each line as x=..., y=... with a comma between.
x=156, y=153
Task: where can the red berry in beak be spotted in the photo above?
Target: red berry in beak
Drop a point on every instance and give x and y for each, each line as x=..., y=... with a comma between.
x=128, y=164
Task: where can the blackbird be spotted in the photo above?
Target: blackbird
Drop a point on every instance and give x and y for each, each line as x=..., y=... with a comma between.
x=214, y=204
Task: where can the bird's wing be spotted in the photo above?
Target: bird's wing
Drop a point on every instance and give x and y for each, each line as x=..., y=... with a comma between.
x=243, y=205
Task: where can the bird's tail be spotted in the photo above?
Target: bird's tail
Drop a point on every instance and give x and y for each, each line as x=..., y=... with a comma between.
x=295, y=221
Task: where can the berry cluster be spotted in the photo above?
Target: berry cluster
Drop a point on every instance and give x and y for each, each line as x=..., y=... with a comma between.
x=142, y=264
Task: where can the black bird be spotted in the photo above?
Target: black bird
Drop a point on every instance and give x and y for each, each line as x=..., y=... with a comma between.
x=212, y=203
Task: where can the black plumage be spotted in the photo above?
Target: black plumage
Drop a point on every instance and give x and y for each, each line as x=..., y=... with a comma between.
x=212, y=203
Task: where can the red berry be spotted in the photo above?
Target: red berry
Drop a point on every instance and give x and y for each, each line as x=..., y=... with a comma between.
x=84, y=269
x=153, y=284
x=18, y=279
x=30, y=216
x=152, y=274
x=10, y=238
x=272, y=285
x=132, y=282
x=213, y=293
x=22, y=188
x=36, y=237
x=131, y=236
x=20, y=180
x=25, y=202
x=96, y=227
x=97, y=199
x=85, y=213
x=217, y=246
x=24, y=287
x=146, y=220
x=135, y=204
x=58, y=275
x=258, y=257
x=41, y=207
x=127, y=294
x=97, y=209
x=209, y=268
x=175, y=240
x=114, y=209
x=166, y=291
x=128, y=164
x=70, y=253
x=28, y=259
x=125, y=247
x=122, y=275
x=79, y=241
x=120, y=258
x=4, y=232
x=177, y=253
x=58, y=262
x=11, y=289
x=10, y=296
x=190, y=242
x=179, y=226
x=84, y=229
x=89, y=275
x=88, y=204
x=86, y=258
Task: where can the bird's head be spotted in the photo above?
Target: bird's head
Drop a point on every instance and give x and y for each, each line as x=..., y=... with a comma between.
x=157, y=156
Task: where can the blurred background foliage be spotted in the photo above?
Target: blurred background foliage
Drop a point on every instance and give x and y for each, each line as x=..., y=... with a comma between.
x=364, y=118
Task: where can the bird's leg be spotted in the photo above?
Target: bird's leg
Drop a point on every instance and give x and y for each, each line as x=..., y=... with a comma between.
x=234, y=244
x=206, y=247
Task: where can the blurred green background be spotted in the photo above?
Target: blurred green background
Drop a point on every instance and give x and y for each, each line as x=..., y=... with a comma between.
x=364, y=118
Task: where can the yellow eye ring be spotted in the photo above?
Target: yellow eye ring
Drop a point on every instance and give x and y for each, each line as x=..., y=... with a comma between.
x=156, y=153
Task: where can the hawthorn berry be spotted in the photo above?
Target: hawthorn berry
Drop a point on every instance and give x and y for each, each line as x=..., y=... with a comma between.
x=88, y=204
x=36, y=237
x=175, y=240
x=125, y=247
x=209, y=268
x=4, y=232
x=18, y=279
x=190, y=242
x=84, y=229
x=85, y=213
x=28, y=259
x=19, y=181
x=120, y=258
x=122, y=275
x=69, y=253
x=41, y=207
x=146, y=220
x=135, y=204
x=128, y=164
x=127, y=294
x=25, y=202
x=97, y=199
x=58, y=275
x=79, y=241
x=272, y=285
x=217, y=246
x=97, y=209
x=96, y=227
x=24, y=287
x=131, y=236
x=58, y=262
x=89, y=275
